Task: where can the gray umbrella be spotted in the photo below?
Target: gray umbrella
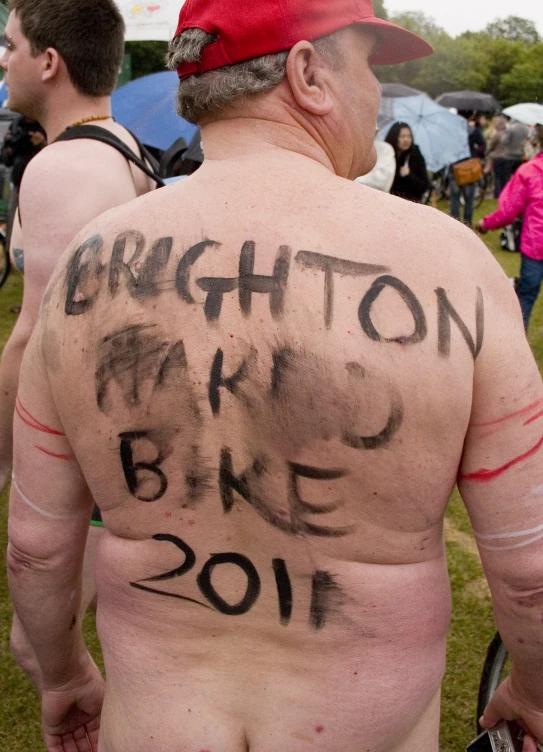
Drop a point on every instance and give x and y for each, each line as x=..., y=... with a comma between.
x=472, y=101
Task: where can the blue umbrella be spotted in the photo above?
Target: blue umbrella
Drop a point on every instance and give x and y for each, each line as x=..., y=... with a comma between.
x=441, y=136
x=146, y=106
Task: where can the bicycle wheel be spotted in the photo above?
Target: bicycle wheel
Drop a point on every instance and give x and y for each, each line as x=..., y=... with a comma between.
x=495, y=670
x=5, y=264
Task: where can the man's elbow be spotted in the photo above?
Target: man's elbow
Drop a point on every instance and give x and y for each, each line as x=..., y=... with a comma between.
x=22, y=560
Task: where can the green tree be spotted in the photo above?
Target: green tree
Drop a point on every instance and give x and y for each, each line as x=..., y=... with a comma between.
x=147, y=57
x=514, y=29
x=379, y=9
x=419, y=23
x=524, y=83
x=501, y=57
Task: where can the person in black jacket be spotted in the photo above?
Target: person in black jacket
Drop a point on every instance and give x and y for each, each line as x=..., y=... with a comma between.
x=411, y=181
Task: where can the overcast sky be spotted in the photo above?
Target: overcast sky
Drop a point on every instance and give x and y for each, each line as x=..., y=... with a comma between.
x=469, y=15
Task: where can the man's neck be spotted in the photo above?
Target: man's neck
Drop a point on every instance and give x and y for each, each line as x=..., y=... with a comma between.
x=65, y=111
x=248, y=136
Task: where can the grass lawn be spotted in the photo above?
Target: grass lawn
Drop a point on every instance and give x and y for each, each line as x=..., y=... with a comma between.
x=471, y=629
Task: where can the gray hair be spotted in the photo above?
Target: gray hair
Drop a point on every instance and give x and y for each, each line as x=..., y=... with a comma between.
x=208, y=93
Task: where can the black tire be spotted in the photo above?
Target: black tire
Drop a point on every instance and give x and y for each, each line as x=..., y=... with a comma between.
x=5, y=264
x=492, y=676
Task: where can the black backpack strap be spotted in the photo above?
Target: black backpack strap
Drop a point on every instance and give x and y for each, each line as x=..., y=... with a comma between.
x=96, y=133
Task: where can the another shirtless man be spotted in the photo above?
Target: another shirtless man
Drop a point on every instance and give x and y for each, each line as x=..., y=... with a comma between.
x=61, y=65
x=270, y=379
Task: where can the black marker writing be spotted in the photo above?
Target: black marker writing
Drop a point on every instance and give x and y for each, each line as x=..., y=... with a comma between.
x=274, y=286
x=332, y=266
x=185, y=265
x=127, y=357
x=140, y=283
x=140, y=476
x=446, y=312
x=284, y=590
x=175, y=360
x=215, y=287
x=282, y=361
x=409, y=297
x=208, y=590
x=218, y=381
x=83, y=273
x=384, y=437
x=300, y=508
x=186, y=566
x=294, y=522
x=326, y=596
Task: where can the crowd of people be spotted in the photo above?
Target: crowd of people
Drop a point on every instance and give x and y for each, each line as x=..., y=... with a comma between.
x=511, y=152
x=258, y=386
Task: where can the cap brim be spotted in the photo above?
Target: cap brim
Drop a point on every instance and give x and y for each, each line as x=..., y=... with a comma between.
x=397, y=45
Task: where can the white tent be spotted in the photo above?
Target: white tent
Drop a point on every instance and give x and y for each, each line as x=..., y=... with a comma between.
x=150, y=19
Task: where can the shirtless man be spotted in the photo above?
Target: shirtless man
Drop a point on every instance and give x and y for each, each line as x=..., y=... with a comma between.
x=61, y=65
x=270, y=379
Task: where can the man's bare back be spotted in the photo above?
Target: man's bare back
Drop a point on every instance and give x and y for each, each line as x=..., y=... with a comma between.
x=270, y=379
x=272, y=446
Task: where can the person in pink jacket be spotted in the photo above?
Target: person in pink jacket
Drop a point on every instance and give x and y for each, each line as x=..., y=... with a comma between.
x=523, y=194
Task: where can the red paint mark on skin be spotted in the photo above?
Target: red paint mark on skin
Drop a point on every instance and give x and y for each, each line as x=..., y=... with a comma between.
x=168, y=515
x=66, y=457
x=524, y=411
x=29, y=419
x=319, y=729
x=484, y=475
x=536, y=417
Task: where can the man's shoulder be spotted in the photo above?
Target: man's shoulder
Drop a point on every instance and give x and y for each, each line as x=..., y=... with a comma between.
x=58, y=164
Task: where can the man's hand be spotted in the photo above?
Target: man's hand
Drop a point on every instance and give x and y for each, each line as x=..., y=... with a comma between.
x=480, y=228
x=508, y=704
x=71, y=714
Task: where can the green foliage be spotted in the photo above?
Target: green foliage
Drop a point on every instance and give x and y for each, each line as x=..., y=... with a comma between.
x=514, y=29
x=505, y=60
x=379, y=9
x=147, y=57
x=524, y=82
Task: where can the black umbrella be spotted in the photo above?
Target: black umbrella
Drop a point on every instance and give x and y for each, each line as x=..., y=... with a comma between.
x=393, y=91
x=472, y=101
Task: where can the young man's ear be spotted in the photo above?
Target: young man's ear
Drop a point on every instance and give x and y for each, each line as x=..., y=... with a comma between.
x=310, y=79
x=51, y=64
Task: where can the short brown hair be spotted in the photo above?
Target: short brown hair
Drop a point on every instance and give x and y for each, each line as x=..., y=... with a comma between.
x=87, y=34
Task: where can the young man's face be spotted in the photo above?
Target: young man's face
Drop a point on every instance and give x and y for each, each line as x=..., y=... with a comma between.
x=22, y=70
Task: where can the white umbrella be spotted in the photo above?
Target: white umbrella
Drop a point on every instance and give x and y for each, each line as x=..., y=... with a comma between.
x=441, y=136
x=527, y=113
x=150, y=19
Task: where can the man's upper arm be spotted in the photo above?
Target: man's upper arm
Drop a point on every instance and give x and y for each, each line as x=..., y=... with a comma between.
x=50, y=504
x=501, y=475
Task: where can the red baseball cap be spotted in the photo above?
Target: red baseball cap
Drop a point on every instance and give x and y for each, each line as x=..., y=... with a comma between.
x=249, y=29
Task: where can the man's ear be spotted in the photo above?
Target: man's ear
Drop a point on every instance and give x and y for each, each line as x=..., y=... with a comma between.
x=51, y=64
x=310, y=80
